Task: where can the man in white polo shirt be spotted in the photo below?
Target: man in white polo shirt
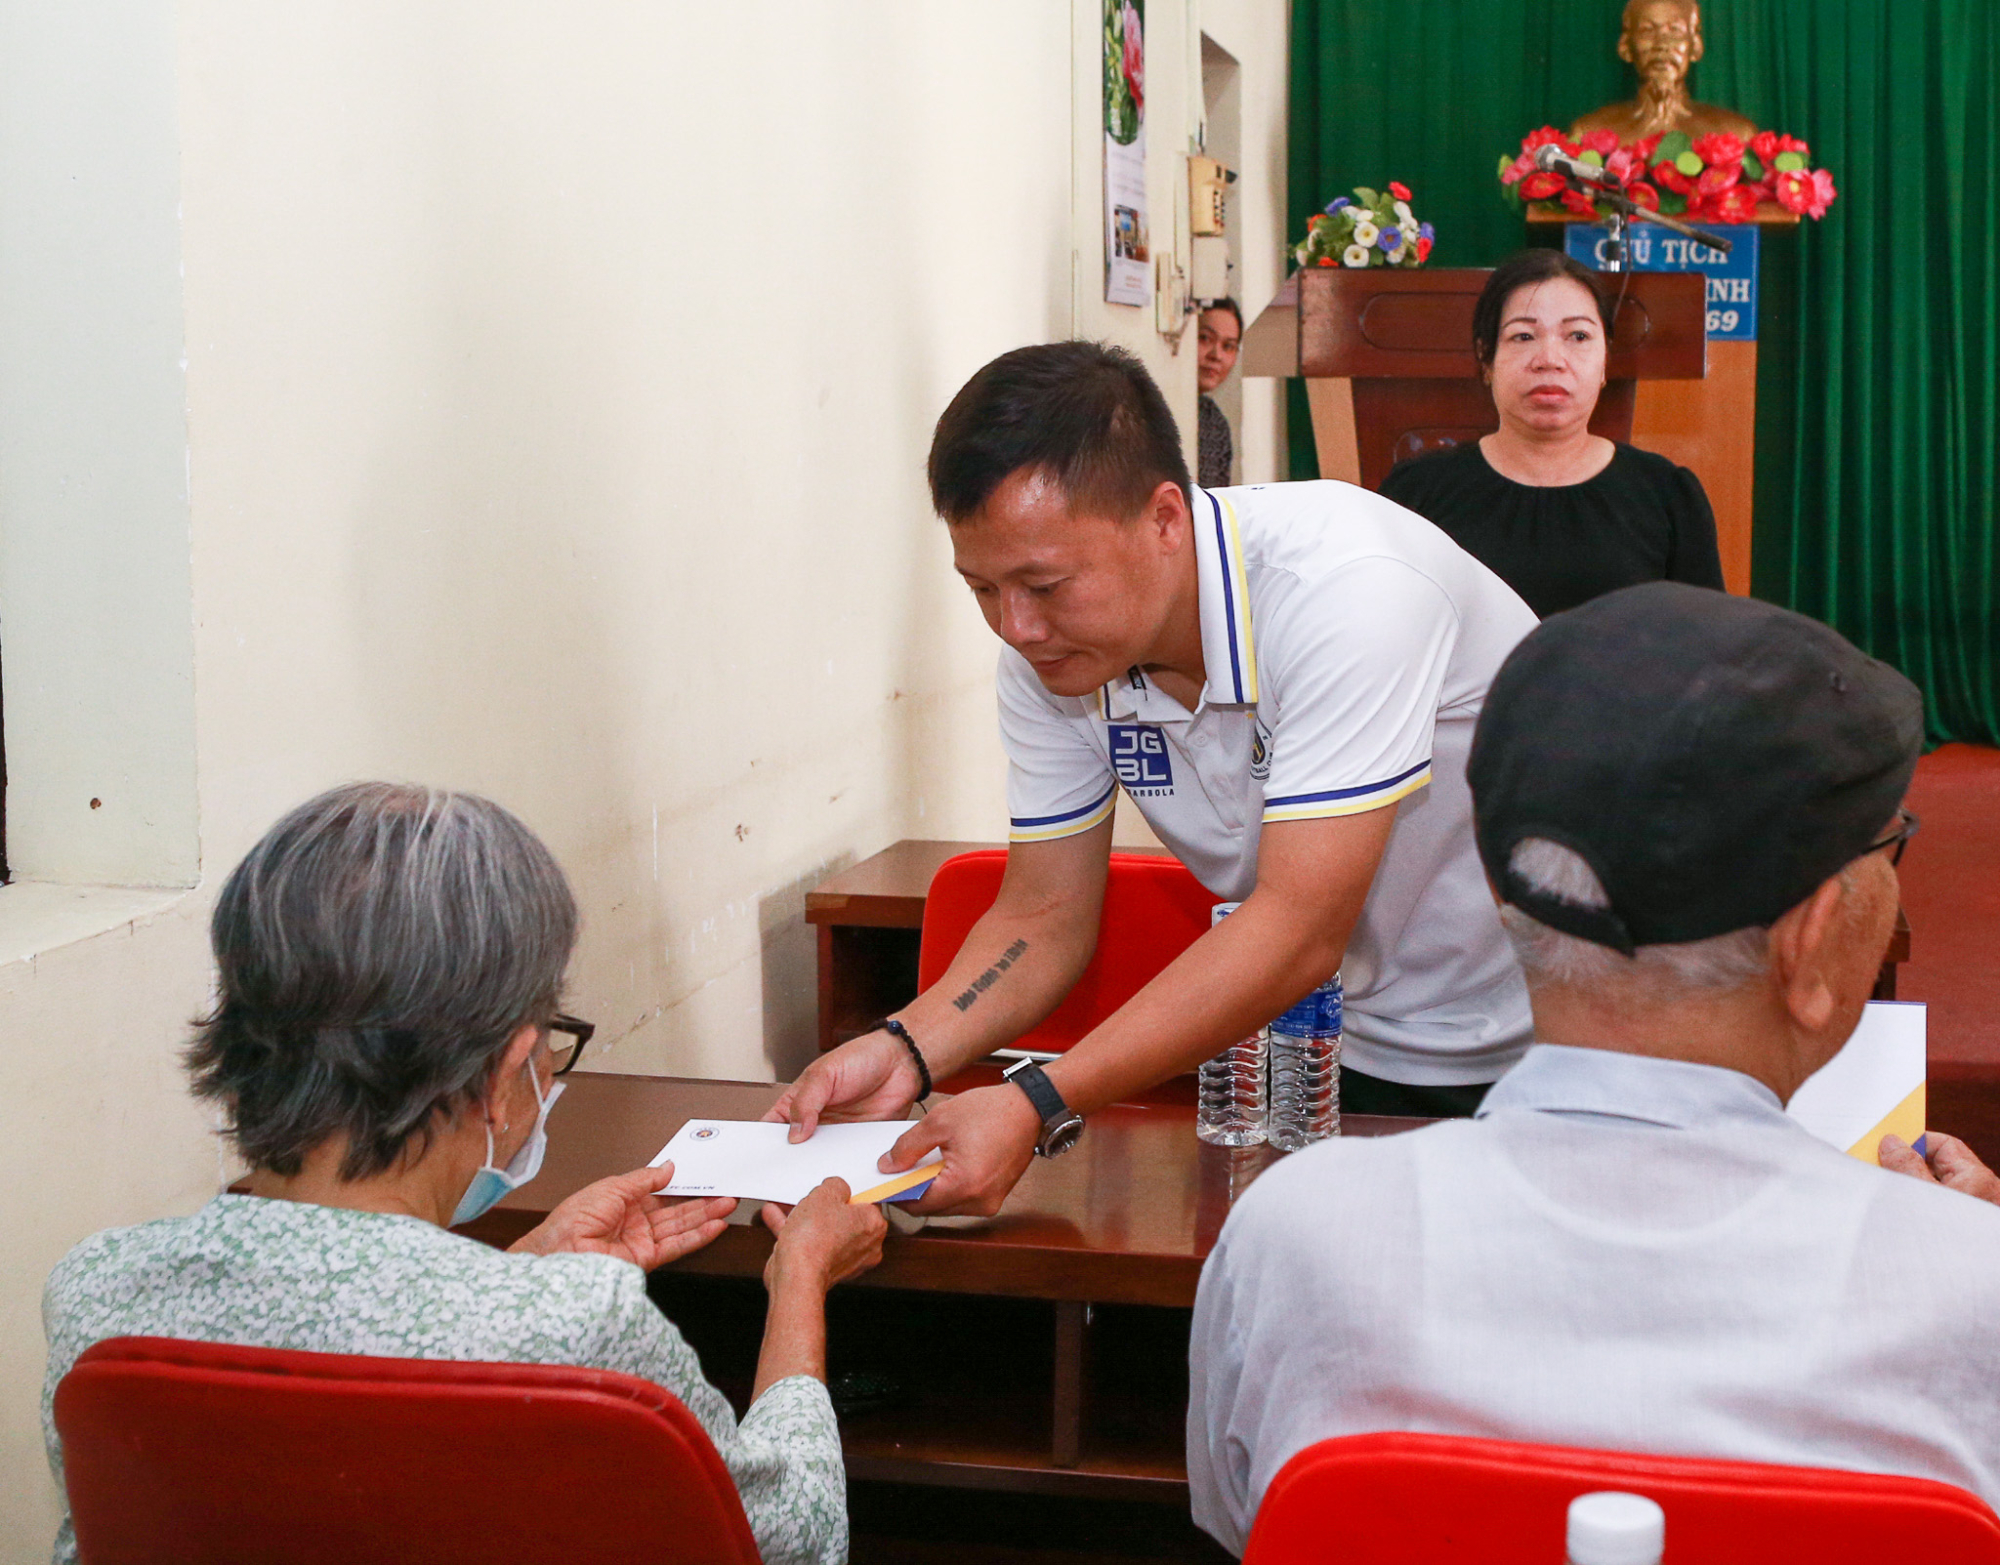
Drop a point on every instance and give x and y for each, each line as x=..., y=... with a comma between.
x=1284, y=679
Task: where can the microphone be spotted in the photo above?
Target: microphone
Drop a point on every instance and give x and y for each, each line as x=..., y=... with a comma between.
x=1549, y=159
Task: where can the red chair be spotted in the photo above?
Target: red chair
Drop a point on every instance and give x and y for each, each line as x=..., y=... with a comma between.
x=1430, y=1499
x=199, y=1453
x=1153, y=911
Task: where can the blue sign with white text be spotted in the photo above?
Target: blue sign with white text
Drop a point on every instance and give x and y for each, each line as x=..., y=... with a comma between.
x=1732, y=277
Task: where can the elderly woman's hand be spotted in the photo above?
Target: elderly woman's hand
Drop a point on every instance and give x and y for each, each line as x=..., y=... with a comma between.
x=624, y=1216
x=823, y=1240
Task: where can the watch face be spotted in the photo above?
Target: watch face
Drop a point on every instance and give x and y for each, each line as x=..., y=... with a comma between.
x=1061, y=1136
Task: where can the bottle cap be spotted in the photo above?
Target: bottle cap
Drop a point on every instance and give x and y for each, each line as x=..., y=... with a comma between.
x=1220, y=911
x=1609, y=1528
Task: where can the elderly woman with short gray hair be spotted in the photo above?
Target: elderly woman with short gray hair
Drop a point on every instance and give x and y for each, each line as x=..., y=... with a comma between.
x=385, y=1046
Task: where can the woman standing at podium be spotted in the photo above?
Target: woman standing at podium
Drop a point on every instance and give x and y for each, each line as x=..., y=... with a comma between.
x=1559, y=514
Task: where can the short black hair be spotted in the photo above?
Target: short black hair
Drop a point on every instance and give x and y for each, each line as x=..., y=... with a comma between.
x=1228, y=304
x=1522, y=270
x=1086, y=413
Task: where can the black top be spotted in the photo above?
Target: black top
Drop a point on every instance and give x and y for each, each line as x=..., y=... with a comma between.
x=1215, y=451
x=1641, y=519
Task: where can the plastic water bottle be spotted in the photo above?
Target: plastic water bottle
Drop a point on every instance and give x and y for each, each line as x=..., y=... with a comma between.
x=1610, y=1528
x=1229, y=1108
x=1305, y=1070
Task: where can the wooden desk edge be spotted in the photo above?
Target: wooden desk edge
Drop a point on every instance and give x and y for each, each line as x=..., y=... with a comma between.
x=864, y=911
x=933, y=1261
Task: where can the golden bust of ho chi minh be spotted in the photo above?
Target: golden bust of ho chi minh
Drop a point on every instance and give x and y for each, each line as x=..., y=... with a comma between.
x=1661, y=39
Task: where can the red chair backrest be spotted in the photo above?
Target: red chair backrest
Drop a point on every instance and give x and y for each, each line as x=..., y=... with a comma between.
x=1153, y=911
x=1426, y=1499
x=207, y=1454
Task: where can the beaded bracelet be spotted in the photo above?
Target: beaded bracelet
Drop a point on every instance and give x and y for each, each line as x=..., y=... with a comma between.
x=923, y=1071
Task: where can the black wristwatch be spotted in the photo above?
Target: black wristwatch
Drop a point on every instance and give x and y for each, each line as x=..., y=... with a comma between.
x=1062, y=1126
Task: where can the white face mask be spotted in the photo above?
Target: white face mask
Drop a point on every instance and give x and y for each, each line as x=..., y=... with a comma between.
x=490, y=1183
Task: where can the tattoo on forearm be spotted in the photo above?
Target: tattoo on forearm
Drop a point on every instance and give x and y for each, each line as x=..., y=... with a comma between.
x=986, y=979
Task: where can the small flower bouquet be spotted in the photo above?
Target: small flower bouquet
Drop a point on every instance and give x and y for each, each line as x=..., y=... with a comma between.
x=1367, y=229
x=1717, y=179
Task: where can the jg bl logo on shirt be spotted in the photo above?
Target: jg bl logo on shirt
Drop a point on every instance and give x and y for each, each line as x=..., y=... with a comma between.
x=1139, y=759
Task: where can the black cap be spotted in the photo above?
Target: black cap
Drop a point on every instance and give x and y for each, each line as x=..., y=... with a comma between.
x=1712, y=758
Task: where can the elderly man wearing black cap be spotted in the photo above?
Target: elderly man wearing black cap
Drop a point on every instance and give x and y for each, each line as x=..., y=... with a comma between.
x=1690, y=806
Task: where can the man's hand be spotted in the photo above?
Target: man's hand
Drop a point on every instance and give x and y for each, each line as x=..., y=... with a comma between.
x=870, y=1077
x=988, y=1138
x=623, y=1216
x=1951, y=1163
x=823, y=1240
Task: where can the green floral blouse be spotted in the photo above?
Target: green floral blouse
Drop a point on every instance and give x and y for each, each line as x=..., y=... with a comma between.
x=284, y=1274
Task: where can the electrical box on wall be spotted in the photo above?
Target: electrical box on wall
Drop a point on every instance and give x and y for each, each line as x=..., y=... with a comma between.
x=1208, y=186
x=1208, y=218
x=1208, y=269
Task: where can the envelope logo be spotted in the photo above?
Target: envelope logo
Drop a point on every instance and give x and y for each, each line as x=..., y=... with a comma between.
x=706, y=1133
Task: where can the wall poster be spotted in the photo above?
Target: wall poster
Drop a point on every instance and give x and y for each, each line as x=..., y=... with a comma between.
x=1128, y=267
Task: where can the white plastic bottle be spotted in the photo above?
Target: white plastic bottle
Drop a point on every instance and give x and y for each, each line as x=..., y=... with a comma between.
x=1611, y=1528
x=1305, y=1070
x=1229, y=1108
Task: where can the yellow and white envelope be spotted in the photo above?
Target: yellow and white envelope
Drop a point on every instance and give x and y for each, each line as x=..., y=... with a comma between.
x=1873, y=1087
x=754, y=1161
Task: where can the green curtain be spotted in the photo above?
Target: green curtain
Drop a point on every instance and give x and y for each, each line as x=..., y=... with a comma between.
x=1878, y=434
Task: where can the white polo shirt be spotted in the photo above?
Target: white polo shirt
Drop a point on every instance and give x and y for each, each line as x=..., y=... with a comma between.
x=1348, y=644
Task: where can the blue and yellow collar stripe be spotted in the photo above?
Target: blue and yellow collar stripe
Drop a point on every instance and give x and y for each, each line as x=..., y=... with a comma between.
x=1228, y=647
x=1347, y=801
x=1046, y=828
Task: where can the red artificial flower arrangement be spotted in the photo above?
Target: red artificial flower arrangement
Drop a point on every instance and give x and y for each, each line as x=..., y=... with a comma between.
x=1717, y=179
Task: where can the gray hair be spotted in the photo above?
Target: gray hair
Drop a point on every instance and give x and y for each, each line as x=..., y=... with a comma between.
x=1548, y=956
x=374, y=955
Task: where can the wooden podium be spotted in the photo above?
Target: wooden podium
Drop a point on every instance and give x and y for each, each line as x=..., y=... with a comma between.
x=1387, y=357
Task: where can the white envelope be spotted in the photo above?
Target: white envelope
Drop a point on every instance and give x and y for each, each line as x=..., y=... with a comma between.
x=1874, y=1085
x=753, y=1160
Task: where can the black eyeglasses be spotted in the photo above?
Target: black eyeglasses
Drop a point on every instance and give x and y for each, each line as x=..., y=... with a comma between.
x=1899, y=839
x=566, y=1055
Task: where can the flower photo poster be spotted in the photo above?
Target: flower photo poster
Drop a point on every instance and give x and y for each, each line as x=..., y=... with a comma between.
x=1127, y=260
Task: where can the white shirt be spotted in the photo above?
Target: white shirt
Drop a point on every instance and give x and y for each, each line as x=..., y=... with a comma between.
x=1347, y=645
x=1621, y=1253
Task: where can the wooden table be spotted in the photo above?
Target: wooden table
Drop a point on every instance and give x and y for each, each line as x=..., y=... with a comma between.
x=1043, y=1350
x=870, y=917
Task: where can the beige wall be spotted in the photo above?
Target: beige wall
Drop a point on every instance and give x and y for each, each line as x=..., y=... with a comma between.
x=556, y=392
x=93, y=448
